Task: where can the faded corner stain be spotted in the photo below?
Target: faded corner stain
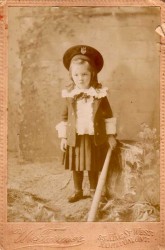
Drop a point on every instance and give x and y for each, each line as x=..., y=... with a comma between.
x=1, y=248
x=3, y=2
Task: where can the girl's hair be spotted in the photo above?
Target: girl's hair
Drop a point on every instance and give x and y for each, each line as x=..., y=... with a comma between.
x=80, y=61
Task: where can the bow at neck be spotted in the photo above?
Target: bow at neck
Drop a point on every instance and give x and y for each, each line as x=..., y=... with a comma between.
x=81, y=96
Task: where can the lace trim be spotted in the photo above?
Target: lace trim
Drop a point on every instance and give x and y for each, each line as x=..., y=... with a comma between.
x=96, y=93
x=61, y=128
x=110, y=125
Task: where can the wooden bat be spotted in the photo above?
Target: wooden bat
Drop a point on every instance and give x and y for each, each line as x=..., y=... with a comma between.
x=100, y=185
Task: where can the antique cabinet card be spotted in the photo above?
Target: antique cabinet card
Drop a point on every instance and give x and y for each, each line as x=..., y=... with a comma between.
x=127, y=210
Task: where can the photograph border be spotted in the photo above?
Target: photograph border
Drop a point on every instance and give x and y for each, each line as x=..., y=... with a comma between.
x=80, y=235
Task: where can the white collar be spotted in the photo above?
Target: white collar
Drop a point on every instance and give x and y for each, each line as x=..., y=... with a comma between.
x=97, y=93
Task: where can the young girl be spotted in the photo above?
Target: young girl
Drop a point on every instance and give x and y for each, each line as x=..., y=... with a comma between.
x=88, y=127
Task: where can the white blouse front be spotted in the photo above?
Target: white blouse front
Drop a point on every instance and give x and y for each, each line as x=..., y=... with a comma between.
x=84, y=113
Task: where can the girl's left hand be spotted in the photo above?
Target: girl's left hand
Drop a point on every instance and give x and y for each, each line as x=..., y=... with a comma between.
x=112, y=141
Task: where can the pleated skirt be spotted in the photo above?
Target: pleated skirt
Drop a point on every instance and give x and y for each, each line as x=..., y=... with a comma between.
x=85, y=155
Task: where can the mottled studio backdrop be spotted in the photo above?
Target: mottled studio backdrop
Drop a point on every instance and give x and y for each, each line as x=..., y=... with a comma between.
x=38, y=186
x=38, y=37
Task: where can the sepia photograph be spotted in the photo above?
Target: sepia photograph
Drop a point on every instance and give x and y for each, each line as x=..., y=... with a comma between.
x=83, y=114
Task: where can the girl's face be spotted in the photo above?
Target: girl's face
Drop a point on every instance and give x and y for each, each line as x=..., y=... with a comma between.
x=81, y=75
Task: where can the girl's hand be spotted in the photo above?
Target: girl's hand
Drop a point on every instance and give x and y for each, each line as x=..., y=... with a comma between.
x=112, y=141
x=63, y=144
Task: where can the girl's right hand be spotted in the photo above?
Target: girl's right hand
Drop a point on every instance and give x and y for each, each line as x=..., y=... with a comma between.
x=63, y=144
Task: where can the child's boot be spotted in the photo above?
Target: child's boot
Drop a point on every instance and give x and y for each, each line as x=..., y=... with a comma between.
x=78, y=179
x=78, y=195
